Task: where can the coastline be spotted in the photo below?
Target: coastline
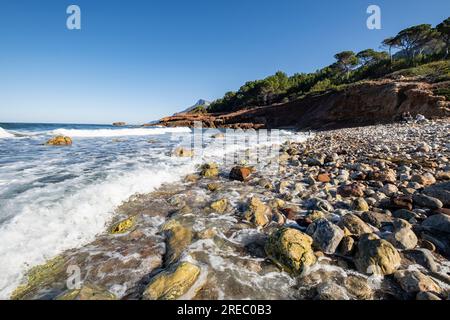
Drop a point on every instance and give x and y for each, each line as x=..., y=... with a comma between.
x=223, y=227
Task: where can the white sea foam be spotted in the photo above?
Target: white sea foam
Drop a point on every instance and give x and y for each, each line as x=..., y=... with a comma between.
x=118, y=132
x=43, y=230
x=5, y=134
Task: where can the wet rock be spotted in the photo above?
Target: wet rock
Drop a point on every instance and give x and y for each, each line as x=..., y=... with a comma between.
x=283, y=186
x=87, y=292
x=440, y=191
x=213, y=186
x=59, y=141
x=421, y=256
x=423, y=147
x=438, y=222
x=331, y=291
x=360, y=205
x=183, y=152
x=376, y=256
x=173, y=283
x=177, y=238
x=358, y=287
x=210, y=170
x=326, y=235
x=416, y=281
x=290, y=249
x=425, y=179
x=319, y=204
x=258, y=213
x=123, y=226
x=347, y=246
x=427, y=201
x=354, y=225
x=426, y=296
x=240, y=173
x=351, y=190
x=377, y=219
x=220, y=206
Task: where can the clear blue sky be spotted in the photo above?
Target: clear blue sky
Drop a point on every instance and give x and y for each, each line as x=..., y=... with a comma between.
x=139, y=60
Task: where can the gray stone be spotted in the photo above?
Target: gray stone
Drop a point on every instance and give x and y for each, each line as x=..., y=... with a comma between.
x=326, y=236
x=422, y=256
x=440, y=191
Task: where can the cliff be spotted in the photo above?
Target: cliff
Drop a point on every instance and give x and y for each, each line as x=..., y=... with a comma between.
x=366, y=103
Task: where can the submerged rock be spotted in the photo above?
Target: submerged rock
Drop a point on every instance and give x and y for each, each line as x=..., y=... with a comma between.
x=210, y=170
x=376, y=256
x=326, y=235
x=178, y=238
x=220, y=206
x=87, y=292
x=59, y=141
x=183, y=152
x=173, y=283
x=240, y=173
x=290, y=249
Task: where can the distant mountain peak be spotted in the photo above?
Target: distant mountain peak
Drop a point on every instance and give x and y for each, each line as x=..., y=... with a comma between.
x=199, y=103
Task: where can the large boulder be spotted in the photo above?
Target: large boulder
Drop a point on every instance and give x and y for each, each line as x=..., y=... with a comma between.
x=60, y=141
x=354, y=225
x=173, y=283
x=326, y=235
x=376, y=256
x=290, y=249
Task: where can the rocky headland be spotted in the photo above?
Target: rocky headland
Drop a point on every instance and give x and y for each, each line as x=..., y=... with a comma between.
x=365, y=103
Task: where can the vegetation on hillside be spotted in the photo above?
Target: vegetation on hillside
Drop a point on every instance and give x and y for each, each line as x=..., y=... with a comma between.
x=420, y=50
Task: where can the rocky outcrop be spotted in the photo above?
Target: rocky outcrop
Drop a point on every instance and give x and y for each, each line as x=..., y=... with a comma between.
x=290, y=249
x=370, y=102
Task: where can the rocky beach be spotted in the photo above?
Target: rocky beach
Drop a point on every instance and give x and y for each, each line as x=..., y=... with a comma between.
x=355, y=213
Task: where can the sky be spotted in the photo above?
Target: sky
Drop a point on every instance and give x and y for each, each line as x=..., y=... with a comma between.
x=140, y=60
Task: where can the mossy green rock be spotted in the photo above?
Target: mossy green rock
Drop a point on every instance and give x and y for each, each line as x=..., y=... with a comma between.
x=178, y=238
x=290, y=249
x=173, y=283
x=38, y=277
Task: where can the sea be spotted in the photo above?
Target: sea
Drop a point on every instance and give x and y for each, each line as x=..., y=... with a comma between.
x=57, y=198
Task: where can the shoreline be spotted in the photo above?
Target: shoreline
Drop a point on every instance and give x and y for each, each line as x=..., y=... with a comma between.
x=214, y=233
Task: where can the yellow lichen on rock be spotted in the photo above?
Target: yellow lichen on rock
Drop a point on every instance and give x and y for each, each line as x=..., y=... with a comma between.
x=172, y=284
x=290, y=249
x=183, y=152
x=38, y=276
x=210, y=170
x=59, y=141
x=87, y=292
x=123, y=226
x=258, y=213
x=178, y=238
